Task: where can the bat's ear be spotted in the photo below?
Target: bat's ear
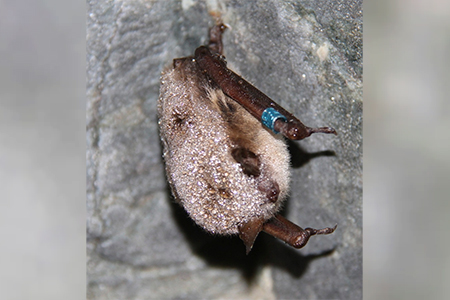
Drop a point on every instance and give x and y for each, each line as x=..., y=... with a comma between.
x=249, y=231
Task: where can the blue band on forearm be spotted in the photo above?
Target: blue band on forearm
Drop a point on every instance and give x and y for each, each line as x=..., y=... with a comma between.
x=269, y=116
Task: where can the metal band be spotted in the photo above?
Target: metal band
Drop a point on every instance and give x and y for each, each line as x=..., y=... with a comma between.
x=269, y=116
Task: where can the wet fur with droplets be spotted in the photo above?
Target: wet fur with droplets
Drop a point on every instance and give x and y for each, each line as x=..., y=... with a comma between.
x=221, y=147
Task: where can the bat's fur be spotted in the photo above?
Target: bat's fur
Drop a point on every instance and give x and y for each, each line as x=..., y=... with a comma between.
x=224, y=167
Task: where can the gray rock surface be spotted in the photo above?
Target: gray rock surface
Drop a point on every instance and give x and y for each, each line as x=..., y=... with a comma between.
x=140, y=245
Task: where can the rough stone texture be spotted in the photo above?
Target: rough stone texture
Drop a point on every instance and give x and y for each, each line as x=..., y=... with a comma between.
x=140, y=245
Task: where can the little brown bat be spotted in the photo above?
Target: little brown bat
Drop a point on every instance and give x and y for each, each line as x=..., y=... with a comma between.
x=226, y=162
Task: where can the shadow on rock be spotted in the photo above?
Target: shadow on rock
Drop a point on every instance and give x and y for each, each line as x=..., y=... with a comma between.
x=284, y=257
x=229, y=251
x=300, y=157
